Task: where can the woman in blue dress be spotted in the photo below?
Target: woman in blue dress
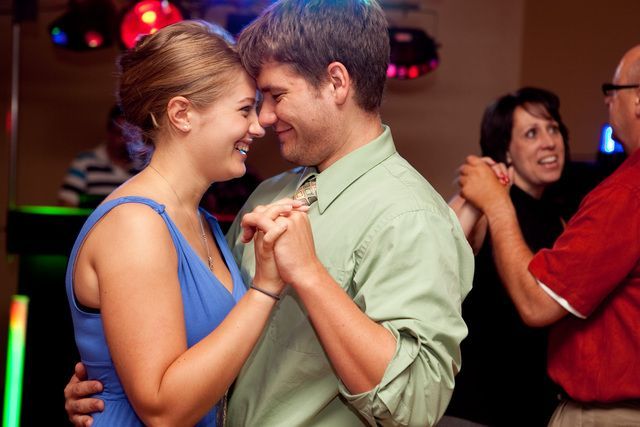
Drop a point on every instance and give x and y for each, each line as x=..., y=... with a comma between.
x=161, y=316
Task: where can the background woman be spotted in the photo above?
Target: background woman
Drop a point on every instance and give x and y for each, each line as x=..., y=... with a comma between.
x=160, y=312
x=503, y=381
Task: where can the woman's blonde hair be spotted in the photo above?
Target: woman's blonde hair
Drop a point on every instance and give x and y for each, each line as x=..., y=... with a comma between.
x=193, y=59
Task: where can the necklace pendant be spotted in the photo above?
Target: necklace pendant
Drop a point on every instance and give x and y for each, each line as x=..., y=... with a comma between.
x=210, y=263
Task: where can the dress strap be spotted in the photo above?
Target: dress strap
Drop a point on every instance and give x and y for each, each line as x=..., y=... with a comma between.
x=96, y=215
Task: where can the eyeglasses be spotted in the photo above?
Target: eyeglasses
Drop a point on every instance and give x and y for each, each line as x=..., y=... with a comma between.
x=609, y=88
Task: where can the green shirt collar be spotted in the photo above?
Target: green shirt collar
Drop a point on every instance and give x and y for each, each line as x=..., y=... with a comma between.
x=340, y=175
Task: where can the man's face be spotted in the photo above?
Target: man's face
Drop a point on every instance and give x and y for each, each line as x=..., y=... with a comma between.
x=300, y=114
x=621, y=105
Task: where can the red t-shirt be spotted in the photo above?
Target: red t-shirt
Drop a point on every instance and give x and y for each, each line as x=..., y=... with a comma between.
x=595, y=266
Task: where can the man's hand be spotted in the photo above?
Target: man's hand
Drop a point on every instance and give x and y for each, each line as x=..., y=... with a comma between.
x=77, y=404
x=295, y=250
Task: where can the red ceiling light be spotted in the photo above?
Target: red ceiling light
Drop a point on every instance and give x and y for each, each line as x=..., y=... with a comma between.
x=147, y=17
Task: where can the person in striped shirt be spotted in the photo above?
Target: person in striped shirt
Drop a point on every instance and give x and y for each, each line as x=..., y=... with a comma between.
x=94, y=174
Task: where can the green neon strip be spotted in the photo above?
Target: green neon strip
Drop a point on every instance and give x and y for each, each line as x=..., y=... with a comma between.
x=15, y=361
x=51, y=210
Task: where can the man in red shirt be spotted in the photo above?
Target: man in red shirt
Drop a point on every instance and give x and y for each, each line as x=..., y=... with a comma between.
x=588, y=285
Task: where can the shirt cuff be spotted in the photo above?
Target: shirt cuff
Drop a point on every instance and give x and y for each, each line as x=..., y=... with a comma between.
x=405, y=396
x=563, y=302
x=373, y=405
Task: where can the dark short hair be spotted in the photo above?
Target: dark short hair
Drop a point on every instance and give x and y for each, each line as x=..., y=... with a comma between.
x=310, y=34
x=497, y=121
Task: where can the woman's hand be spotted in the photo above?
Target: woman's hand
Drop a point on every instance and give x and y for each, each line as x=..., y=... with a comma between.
x=263, y=217
x=503, y=173
x=483, y=182
x=262, y=225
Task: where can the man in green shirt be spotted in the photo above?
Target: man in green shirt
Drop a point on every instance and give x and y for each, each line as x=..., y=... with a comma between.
x=370, y=327
x=368, y=331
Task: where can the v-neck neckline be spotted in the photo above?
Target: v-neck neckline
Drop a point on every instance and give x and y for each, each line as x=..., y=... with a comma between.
x=202, y=263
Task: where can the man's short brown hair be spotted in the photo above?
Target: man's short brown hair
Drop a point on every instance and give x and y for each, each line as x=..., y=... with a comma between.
x=311, y=34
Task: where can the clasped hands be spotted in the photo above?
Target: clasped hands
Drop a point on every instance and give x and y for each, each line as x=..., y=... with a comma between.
x=485, y=183
x=283, y=243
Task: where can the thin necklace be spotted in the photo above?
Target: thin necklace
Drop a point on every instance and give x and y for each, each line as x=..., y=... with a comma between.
x=203, y=236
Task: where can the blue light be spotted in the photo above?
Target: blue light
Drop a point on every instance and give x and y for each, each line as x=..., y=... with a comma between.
x=59, y=37
x=607, y=144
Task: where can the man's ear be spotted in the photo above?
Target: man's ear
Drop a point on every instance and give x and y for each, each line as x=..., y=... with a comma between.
x=178, y=112
x=340, y=81
x=636, y=102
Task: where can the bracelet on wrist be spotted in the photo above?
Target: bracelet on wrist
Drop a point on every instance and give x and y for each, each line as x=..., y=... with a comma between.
x=264, y=291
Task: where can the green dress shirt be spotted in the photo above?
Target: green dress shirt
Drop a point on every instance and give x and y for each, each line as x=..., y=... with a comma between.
x=391, y=242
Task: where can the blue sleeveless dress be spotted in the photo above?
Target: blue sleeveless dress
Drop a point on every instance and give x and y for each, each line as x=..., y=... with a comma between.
x=206, y=303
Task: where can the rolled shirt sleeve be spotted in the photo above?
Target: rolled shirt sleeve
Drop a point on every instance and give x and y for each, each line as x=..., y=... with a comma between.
x=414, y=271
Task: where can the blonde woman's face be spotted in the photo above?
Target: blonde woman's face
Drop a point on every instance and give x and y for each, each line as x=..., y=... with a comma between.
x=226, y=130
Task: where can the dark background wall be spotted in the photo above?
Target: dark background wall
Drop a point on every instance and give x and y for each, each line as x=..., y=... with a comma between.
x=487, y=48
